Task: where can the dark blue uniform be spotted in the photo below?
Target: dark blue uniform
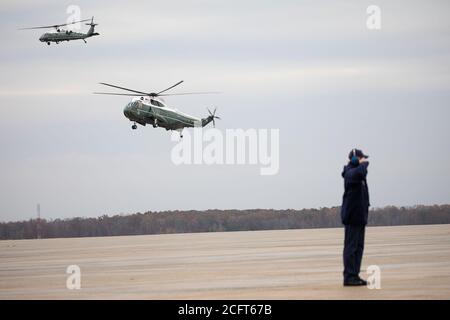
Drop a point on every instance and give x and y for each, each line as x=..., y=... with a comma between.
x=354, y=214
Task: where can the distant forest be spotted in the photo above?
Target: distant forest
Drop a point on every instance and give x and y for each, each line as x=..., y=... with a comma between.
x=215, y=220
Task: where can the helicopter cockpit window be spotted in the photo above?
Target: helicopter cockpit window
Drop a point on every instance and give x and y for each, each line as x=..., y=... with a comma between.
x=156, y=103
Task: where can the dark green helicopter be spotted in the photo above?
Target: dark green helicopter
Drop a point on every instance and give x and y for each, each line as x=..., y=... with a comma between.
x=66, y=35
x=150, y=108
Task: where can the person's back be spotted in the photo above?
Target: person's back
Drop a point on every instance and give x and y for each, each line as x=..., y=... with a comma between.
x=354, y=215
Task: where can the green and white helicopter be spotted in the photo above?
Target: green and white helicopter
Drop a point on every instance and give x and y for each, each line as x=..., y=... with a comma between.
x=66, y=35
x=149, y=108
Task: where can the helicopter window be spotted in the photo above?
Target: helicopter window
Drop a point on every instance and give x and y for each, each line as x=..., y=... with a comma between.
x=156, y=103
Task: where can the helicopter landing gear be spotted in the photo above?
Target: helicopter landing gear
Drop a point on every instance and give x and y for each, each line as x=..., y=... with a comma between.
x=84, y=41
x=155, y=123
x=134, y=126
x=48, y=43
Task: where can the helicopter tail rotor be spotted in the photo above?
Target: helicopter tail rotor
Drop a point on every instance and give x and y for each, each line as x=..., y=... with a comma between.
x=92, y=24
x=212, y=116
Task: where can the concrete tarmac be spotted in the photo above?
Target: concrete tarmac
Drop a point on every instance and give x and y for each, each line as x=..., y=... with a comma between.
x=283, y=264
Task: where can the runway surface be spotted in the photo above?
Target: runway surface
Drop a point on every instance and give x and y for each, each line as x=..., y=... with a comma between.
x=283, y=264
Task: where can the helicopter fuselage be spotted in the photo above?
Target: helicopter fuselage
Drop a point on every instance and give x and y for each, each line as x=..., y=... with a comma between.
x=65, y=35
x=148, y=110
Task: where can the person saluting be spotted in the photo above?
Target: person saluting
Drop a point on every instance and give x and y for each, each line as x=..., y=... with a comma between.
x=354, y=215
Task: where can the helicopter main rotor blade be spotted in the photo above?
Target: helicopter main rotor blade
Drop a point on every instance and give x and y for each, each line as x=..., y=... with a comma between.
x=185, y=93
x=55, y=25
x=73, y=22
x=141, y=93
x=45, y=27
x=126, y=89
x=119, y=94
x=170, y=87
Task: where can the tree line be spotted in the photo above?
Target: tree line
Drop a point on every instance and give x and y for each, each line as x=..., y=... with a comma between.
x=214, y=221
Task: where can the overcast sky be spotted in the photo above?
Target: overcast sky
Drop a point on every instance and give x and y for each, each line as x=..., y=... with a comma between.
x=310, y=68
